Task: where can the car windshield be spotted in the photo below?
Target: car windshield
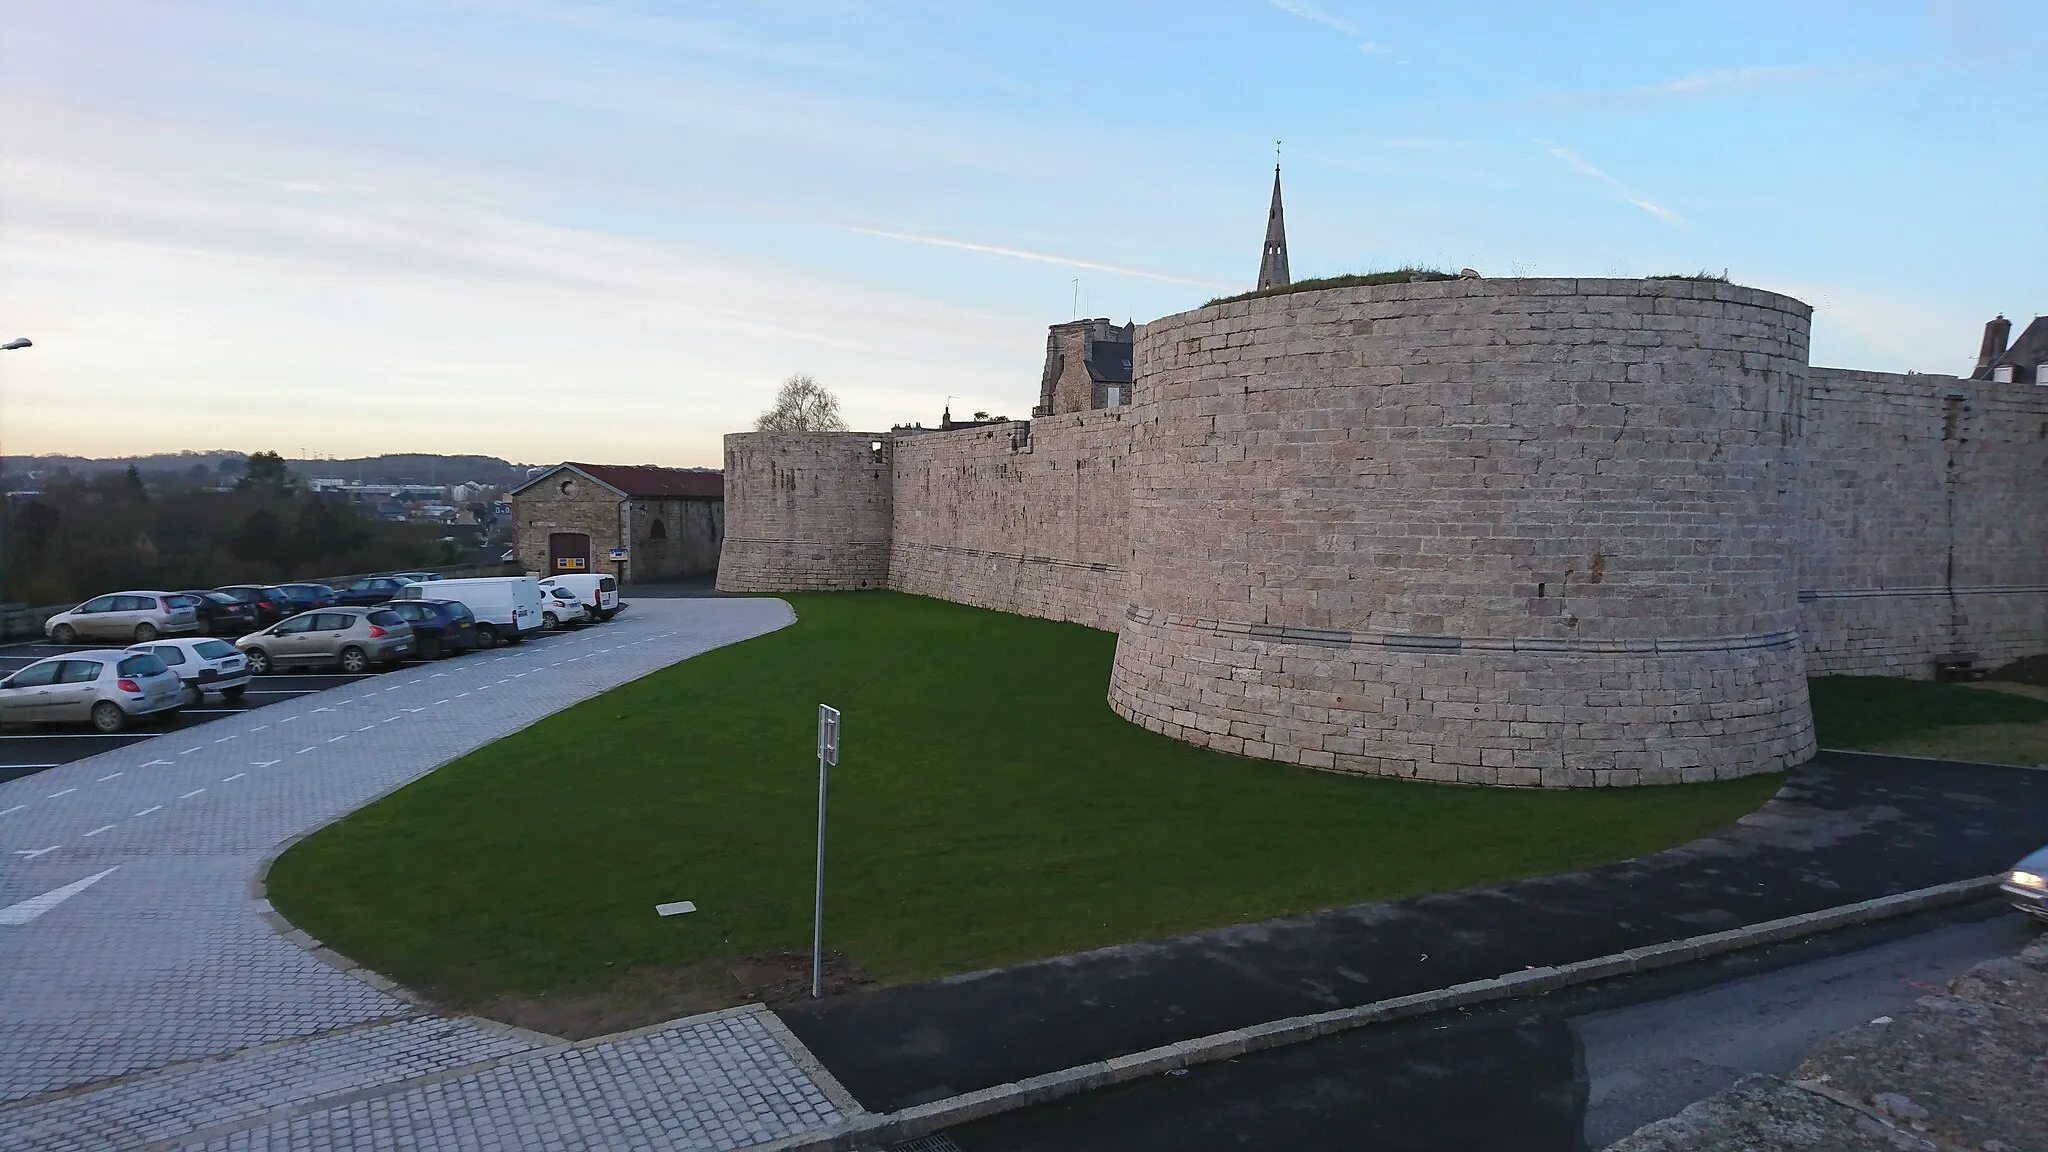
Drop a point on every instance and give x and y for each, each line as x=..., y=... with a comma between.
x=214, y=649
x=141, y=664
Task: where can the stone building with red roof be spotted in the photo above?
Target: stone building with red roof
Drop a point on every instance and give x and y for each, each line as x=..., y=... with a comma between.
x=668, y=522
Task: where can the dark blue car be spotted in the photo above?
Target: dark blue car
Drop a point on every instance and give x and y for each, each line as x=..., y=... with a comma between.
x=306, y=597
x=370, y=590
x=439, y=627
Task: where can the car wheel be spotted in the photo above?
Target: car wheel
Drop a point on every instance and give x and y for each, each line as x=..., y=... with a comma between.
x=145, y=632
x=430, y=648
x=354, y=660
x=486, y=637
x=548, y=620
x=107, y=717
x=235, y=693
x=206, y=627
x=259, y=661
x=64, y=634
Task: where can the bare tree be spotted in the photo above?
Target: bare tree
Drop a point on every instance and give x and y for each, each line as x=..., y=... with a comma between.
x=802, y=405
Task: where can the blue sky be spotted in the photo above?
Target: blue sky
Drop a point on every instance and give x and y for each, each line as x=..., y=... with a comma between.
x=550, y=229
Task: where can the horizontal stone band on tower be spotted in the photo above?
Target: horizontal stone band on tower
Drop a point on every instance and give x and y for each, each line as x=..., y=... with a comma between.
x=1415, y=642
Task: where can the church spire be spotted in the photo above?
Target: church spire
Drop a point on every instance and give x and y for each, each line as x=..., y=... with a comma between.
x=1273, y=261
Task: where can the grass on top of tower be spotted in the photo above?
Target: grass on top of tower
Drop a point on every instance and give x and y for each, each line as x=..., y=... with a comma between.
x=1412, y=274
x=988, y=808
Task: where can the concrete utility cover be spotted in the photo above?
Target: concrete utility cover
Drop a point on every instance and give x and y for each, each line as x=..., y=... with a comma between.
x=675, y=909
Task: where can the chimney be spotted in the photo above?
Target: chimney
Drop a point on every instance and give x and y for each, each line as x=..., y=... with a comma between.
x=1996, y=333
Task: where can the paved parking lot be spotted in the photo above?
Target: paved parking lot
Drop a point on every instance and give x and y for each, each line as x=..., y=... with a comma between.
x=146, y=998
x=25, y=753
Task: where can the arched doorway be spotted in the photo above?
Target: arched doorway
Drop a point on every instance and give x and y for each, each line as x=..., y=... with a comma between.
x=568, y=552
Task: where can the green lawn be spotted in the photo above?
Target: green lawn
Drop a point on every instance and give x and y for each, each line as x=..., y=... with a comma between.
x=1995, y=722
x=989, y=808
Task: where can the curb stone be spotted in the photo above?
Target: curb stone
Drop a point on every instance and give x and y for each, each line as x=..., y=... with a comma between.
x=873, y=1130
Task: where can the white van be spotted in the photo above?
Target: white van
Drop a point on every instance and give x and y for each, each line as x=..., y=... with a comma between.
x=506, y=608
x=599, y=593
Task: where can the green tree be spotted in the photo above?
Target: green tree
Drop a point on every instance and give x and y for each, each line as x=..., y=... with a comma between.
x=267, y=473
x=261, y=539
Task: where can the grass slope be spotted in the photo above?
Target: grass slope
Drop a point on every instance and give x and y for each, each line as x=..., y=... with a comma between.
x=1919, y=718
x=989, y=808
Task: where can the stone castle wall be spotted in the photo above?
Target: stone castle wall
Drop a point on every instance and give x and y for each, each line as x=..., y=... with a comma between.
x=805, y=511
x=1519, y=532
x=1922, y=513
x=1026, y=518
x=1503, y=532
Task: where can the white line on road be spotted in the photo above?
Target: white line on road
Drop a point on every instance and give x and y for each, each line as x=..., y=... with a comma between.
x=189, y=751
x=192, y=793
x=148, y=810
x=259, y=728
x=263, y=764
x=32, y=853
x=18, y=807
x=287, y=719
x=389, y=719
x=238, y=775
x=100, y=829
x=367, y=727
x=330, y=709
x=107, y=777
x=66, y=792
x=157, y=763
x=332, y=739
x=303, y=751
x=31, y=908
x=223, y=739
x=463, y=694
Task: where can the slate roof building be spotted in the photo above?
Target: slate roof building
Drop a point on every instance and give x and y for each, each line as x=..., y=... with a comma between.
x=1087, y=366
x=2024, y=361
x=571, y=518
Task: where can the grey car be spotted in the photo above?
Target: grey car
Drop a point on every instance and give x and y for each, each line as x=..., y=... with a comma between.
x=354, y=638
x=107, y=689
x=2026, y=886
x=127, y=617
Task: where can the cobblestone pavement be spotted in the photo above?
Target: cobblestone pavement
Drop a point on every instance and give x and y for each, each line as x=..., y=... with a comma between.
x=145, y=1000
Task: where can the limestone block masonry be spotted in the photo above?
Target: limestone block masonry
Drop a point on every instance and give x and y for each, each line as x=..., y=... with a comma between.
x=1555, y=533
x=1499, y=532
x=805, y=511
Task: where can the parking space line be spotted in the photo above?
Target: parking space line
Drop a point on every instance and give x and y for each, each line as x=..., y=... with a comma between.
x=265, y=763
x=147, y=811
x=100, y=829
x=237, y=776
x=192, y=793
x=107, y=777
x=66, y=792
x=156, y=763
x=13, y=810
x=32, y=853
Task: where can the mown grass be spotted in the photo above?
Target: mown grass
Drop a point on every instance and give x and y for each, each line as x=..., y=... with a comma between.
x=989, y=808
x=1407, y=275
x=1920, y=718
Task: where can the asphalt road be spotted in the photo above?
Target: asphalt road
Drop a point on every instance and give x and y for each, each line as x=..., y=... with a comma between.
x=24, y=753
x=1575, y=1070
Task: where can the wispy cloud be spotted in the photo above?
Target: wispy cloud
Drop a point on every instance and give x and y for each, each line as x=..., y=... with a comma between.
x=1331, y=21
x=1311, y=12
x=1725, y=82
x=1585, y=167
x=1024, y=254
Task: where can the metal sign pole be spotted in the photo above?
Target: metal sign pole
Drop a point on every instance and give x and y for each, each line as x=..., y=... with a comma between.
x=828, y=755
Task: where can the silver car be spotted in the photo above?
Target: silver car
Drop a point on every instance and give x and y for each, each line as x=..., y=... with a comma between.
x=108, y=689
x=127, y=617
x=354, y=638
x=207, y=665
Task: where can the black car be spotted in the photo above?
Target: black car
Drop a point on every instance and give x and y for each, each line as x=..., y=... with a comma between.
x=269, y=601
x=219, y=613
x=371, y=590
x=439, y=627
x=306, y=597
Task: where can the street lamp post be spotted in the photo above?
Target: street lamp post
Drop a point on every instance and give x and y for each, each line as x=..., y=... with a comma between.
x=6, y=505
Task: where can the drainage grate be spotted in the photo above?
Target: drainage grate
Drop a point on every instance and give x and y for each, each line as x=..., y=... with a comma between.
x=933, y=1143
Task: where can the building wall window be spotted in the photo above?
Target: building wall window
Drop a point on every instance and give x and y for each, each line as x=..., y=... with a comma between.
x=657, y=530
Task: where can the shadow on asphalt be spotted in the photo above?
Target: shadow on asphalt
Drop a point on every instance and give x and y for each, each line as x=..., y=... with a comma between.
x=1844, y=828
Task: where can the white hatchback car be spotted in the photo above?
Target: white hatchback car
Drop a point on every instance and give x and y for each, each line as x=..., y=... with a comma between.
x=127, y=617
x=559, y=606
x=207, y=665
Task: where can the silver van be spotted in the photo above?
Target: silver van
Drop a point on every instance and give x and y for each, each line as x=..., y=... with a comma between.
x=354, y=638
x=107, y=689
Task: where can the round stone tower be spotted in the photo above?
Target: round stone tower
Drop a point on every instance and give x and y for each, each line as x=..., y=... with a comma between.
x=1532, y=532
x=805, y=511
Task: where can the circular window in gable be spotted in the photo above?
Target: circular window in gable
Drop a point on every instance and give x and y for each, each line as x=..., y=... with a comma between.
x=568, y=487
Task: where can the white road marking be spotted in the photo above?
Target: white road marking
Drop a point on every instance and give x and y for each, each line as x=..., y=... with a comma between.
x=188, y=751
x=326, y=709
x=259, y=728
x=31, y=908
x=107, y=777
x=32, y=853
x=223, y=739
x=287, y=719
x=239, y=775
x=332, y=739
x=262, y=764
x=148, y=810
x=192, y=793
x=100, y=829
x=19, y=807
x=438, y=703
x=463, y=694
x=155, y=763
x=387, y=720
x=66, y=792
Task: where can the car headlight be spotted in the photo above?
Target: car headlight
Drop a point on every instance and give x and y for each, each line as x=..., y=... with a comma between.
x=2031, y=880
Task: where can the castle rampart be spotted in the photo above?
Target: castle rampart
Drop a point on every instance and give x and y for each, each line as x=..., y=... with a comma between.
x=805, y=511
x=1519, y=532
